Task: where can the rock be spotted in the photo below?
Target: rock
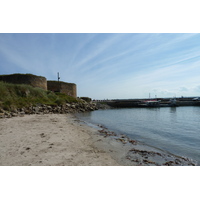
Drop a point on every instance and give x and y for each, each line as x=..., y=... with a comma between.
x=177, y=161
x=14, y=114
x=73, y=106
x=7, y=115
x=123, y=140
x=133, y=141
x=14, y=110
x=169, y=163
x=81, y=106
x=35, y=109
x=49, y=107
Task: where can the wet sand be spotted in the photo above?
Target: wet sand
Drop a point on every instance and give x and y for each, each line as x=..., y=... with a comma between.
x=63, y=140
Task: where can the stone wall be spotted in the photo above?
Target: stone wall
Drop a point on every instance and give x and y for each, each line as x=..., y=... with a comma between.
x=29, y=79
x=41, y=82
x=63, y=87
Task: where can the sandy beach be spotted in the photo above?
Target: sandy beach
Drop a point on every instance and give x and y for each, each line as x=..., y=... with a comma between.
x=49, y=140
x=63, y=140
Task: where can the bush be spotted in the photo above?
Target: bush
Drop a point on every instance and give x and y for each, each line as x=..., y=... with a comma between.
x=87, y=99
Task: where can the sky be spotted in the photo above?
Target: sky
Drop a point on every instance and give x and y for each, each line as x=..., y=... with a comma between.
x=106, y=65
x=132, y=64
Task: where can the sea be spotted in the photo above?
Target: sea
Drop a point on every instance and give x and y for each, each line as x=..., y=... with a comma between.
x=172, y=129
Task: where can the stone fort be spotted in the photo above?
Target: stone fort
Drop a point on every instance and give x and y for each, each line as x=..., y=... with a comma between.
x=63, y=87
x=41, y=82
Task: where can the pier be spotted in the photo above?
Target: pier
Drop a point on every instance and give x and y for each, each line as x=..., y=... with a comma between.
x=164, y=102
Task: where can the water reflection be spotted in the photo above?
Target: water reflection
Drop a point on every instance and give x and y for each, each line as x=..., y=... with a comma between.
x=172, y=109
x=86, y=115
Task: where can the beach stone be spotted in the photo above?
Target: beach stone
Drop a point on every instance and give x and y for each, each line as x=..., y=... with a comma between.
x=6, y=113
x=21, y=114
x=2, y=115
x=14, y=111
x=169, y=163
x=36, y=109
x=81, y=106
x=14, y=114
x=133, y=141
x=73, y=106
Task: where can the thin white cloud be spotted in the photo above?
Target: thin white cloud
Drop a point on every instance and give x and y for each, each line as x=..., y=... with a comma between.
x=98, y=49
x=133, y=59
x=14, y=57
x=128, y=65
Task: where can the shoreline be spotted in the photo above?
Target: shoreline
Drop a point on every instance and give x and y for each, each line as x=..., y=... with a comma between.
x=141, y=154
x=64, y=140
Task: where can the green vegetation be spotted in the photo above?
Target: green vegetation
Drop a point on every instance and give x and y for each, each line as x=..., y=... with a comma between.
x=87, y=99
x=14, y=96
x=19, y=75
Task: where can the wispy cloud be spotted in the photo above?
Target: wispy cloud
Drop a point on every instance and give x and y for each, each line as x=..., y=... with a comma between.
x=98, y=48
x=14, y=57
x=25, y=57
x=108, y=65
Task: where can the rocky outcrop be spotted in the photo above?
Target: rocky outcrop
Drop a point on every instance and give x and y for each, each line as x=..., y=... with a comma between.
x=50, y=109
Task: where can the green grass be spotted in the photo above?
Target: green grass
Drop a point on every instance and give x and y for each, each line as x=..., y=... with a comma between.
x=14, y=96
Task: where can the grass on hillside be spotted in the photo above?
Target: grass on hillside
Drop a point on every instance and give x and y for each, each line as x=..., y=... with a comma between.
x=14, y=96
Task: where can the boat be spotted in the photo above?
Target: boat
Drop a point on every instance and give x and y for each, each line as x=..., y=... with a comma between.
x=149, y=103
x=157, y=103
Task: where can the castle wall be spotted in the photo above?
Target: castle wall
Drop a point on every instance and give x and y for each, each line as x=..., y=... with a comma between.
x=63, y=87
x=41, y=82
x=29, y=79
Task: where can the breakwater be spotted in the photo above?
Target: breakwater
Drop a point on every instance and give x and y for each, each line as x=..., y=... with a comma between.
x=163, y=102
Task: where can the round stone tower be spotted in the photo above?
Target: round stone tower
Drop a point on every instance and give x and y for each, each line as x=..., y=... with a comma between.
x=29, y=79
x=63, y=87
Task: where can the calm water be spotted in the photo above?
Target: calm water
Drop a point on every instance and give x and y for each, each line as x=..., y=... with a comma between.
x=176, y=130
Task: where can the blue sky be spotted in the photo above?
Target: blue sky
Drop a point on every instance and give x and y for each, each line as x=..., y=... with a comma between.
x=107, y=66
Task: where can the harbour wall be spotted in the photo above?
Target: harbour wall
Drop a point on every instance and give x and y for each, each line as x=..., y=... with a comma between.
x=136, y=102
